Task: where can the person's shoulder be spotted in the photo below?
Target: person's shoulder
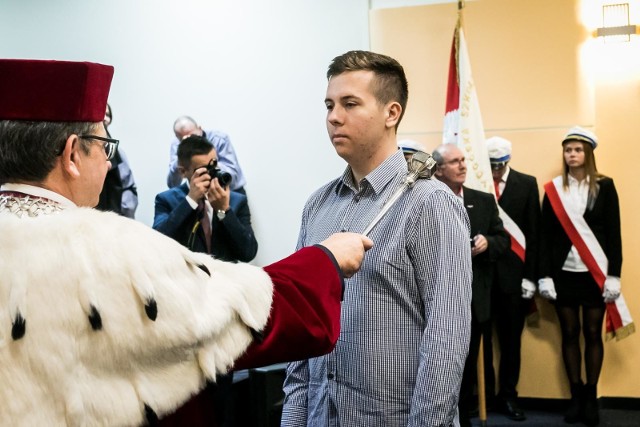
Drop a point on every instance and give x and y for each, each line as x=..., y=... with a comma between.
x=213, y=134
x=605, y=180
x=483, y=195
x=328, y=187
x=606, y=184
x=523, y=176
x=120, y=231
x=431, y=185
x=479, y=198
x=109, y=221
x=429, y=192
x=236, y=198
x=176, y=192
x=322, y=192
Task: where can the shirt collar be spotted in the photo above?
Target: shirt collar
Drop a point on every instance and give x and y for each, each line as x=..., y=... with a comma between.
x=38, y=192
x=572, y=181
x=392, y=167
x=505, y=175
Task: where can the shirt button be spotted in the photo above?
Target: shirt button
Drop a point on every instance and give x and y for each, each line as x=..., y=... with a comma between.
x=330, y=376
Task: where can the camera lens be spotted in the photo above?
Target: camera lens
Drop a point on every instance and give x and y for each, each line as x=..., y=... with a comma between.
x=224, y=178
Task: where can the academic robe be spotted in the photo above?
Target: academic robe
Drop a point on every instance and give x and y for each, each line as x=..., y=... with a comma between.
x=104, y=321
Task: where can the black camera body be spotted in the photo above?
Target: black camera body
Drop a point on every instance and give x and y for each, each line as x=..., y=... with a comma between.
x=224, y=178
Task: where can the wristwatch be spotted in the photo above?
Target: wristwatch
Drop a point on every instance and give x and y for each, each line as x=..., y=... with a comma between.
x=221, y=214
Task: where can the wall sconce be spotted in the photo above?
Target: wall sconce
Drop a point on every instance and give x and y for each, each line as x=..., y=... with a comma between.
x=615, y=23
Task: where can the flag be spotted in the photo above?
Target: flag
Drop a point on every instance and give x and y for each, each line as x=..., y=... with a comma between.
x=463, y=127
x=463, y=121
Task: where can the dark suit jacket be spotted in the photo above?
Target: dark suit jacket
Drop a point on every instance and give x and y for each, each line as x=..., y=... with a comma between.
x=521, y=201
x=483, y=216
x=232, y=239
x=603, y=219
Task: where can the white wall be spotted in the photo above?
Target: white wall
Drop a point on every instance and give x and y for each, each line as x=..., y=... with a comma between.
x=252, y=68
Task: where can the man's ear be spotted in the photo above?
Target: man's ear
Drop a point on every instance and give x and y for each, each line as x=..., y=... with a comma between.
x=394, y=110
x=182, y=170
x=70, y=157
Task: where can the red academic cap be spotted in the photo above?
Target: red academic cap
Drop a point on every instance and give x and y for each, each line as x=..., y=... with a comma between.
x=53, y=91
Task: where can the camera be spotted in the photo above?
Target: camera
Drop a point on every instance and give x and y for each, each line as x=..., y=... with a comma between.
x=224, y=178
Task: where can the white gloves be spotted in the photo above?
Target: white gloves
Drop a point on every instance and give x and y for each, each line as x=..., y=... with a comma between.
x=611, y=289
x=528, y=289
x=547, y=288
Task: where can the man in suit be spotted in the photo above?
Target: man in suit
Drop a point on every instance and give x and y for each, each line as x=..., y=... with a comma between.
x=515, y=271
x=488, y=242
x=202, y=214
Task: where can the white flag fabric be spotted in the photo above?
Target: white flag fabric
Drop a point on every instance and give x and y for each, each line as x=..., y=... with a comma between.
x=463, y=121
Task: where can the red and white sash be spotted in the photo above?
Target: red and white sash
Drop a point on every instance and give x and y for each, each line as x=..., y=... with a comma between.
x=619, y=322
x=518, y=241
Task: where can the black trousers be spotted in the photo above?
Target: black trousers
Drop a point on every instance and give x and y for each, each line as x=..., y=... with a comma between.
x=509, y=311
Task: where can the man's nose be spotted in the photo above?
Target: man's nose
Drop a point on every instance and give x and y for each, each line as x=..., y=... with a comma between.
x=334, y=116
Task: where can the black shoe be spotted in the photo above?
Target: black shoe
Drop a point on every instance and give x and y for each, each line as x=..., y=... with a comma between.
x=590, y=414
x=512, y=410
x=474, y=413
x=576, y=404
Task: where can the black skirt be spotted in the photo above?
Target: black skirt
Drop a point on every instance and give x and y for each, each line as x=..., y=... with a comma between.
x=575, y=289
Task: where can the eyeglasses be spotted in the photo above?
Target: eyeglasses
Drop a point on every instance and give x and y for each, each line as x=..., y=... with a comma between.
x=110, y=144
x=455, y=162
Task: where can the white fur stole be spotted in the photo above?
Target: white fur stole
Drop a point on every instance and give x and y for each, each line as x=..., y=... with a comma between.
x=88, y=285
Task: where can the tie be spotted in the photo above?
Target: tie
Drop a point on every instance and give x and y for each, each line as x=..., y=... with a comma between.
x=206, y=224
x=496, y=185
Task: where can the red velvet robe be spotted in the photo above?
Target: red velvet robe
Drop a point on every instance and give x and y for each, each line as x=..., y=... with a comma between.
x=304, y=323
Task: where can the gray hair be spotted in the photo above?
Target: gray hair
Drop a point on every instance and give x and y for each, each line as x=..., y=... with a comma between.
x=28, y=150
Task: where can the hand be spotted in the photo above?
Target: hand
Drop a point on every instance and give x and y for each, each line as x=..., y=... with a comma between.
x=480, y=244
x=528, y=289
x=348, y=249
x=611, y=289
x=547, y=288
x=199, y=184
x=218, y=196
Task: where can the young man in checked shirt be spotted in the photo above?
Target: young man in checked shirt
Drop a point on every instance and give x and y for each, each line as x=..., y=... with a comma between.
x=406, y=315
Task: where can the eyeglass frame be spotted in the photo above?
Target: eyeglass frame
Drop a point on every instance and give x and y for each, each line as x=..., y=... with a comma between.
x=454, y=162
x=110, y=142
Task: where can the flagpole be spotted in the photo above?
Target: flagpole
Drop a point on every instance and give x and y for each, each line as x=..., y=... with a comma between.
x=482, y=395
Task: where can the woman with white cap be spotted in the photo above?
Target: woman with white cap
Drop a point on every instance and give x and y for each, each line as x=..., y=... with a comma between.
x=580, y=263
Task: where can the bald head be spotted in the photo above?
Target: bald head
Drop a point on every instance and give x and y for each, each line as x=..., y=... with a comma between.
x=185, y=126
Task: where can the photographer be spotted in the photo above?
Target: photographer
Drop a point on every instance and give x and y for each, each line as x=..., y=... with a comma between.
x=185, y=126
x=203, y=213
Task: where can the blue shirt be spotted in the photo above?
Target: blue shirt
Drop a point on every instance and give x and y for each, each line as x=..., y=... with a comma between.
x=130, y=193
x=406, y=314
x=227, y=160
